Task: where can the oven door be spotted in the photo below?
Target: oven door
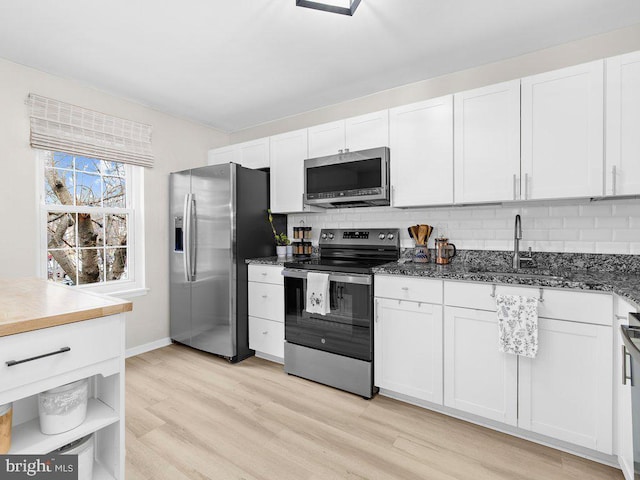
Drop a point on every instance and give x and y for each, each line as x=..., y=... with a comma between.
x=346, y=329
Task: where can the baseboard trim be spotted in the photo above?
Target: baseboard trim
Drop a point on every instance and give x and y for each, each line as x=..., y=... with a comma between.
x=147, y=347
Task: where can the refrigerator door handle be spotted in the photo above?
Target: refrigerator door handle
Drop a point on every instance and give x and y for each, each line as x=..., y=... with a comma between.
x=193, y=227
x=187, y=237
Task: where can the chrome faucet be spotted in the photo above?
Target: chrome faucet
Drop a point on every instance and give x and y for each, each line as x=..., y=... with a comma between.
x=519, y=261
x=517, y=236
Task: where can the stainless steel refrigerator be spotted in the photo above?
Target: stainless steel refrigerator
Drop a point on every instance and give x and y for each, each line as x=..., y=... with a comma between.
x=218, y=217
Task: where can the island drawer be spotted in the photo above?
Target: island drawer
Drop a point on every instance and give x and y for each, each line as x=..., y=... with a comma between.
x=266, y=274
x=33, y=356
x=414, y=289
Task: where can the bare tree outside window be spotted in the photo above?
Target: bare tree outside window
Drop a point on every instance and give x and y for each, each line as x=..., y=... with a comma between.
x=87, y=219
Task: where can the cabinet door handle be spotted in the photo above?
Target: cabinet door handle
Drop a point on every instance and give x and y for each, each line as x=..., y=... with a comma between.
x=626, y=377
x=405, y=288
x=264, y=296
x=11, y=363
x=515, y=179
x=265, y=332
x=526, y=186
x=613, y=179
x=376, y=312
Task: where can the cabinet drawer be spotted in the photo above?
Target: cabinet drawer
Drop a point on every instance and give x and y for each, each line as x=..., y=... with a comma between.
x=266, y=301
x=266, y=336
x=585, y=307
x=408, y=288
x=266, y=274
x=90, y=342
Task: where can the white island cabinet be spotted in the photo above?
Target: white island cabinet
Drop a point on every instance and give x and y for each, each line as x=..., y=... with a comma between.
x=56, y=335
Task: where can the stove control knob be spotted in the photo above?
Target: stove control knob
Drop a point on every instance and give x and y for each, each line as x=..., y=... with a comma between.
x=324, y=236
x=390, y=236
x=381, y=236
x=331, y=236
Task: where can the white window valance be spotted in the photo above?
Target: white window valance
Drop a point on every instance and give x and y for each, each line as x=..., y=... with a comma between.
x=71, y=129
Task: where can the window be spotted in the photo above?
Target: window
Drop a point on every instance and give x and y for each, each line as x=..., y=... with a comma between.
x=89, y=221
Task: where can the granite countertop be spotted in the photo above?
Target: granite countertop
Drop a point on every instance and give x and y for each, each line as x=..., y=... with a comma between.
x=269, y=260
x=626, y=284
x=28, y=304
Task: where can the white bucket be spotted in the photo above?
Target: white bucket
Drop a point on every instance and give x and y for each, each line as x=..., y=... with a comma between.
x=63, y=408
x=84, y=449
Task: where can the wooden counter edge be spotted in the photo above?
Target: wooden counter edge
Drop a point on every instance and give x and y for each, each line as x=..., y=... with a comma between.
x=29, y=325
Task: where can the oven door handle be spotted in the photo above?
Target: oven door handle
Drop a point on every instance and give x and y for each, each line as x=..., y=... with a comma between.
x=333, y=277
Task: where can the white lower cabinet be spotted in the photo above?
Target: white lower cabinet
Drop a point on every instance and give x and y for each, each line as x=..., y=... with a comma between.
x=266, y=311
x=478, y=378
x=564, y=392
x=408, y=348
x=622, y=370
x=95, y=351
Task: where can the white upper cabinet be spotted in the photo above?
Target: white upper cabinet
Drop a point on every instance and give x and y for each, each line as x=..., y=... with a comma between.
x=565, y=392
x=356, y=133
x=221, y=155
x=252, y=154
x=288, y=152
x=421, y=143
x=487, y=143
x=367, y=131
x=563, y=133
x=622, y=175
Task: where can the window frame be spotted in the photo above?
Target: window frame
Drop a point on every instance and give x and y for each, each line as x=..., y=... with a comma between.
x=134, y=285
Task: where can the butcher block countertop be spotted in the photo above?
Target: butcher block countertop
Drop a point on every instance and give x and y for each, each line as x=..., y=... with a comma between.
x=28, y=304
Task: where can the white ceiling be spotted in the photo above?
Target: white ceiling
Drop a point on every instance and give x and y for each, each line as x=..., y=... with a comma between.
x=233, y=64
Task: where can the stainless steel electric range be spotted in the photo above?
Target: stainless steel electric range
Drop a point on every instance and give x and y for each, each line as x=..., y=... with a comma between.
x=336, y=349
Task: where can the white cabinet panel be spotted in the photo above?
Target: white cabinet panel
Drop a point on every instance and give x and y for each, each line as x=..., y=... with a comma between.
x=623, y=125
x=565, y=391
x=421, y=142
x=326, y=139
x=222, y=155
x=408, y=349
x=265, y=274
x=266, y=336
x=254, y=154
x=487, y=143
x=477, y=377
x=563, y=133
x=622, y=418
x=367, y=131
x=403, y=287
x=266, y=301
x=288, y=152
x=585, y=307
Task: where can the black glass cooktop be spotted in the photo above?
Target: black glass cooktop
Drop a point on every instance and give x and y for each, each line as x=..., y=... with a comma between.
x=337, y=264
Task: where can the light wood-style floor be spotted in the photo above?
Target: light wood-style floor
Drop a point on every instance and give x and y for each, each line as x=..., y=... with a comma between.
x=194, y=416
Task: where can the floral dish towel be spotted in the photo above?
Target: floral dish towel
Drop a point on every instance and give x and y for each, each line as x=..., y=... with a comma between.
x=517, y=325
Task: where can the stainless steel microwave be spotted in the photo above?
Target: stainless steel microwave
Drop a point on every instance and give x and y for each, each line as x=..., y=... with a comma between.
x=350, y=179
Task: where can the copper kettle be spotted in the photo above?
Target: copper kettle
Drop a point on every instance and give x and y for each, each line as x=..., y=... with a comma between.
x=445, y=251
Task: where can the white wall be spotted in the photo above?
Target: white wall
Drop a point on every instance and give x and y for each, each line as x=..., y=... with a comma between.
x=177, y=144
x=592, y=48
x=578, y=226
x=610, y=226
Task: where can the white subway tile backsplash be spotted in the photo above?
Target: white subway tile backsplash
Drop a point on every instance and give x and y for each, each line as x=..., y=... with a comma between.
x=596, y=227
x=612, y=222
x=597, y=235
x=579, y=222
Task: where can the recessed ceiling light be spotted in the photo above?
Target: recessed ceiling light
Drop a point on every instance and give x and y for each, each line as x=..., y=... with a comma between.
x=343, y=7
